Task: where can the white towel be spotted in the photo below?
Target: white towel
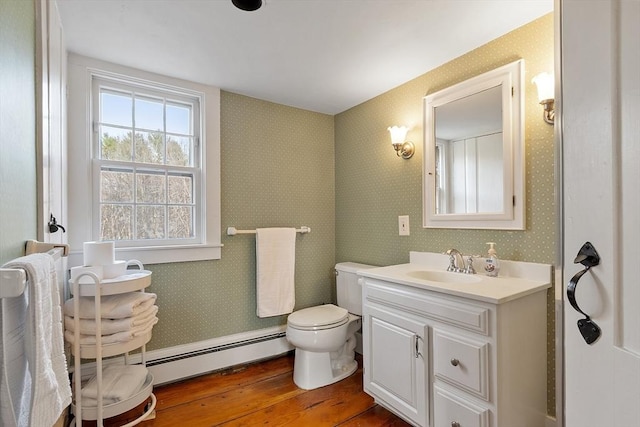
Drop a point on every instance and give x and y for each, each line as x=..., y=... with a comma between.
x=111, y=326
x=125, y=336
x=113, y=306
x=45, y=384
x=275, y=271
x=15, y=380
x=119, y=382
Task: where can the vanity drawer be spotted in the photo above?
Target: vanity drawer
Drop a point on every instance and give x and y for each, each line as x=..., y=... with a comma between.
x=461, y=362
x=425, y=303
x=450, y=410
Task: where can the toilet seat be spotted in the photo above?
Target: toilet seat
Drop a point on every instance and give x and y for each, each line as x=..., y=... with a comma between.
x=318, y=318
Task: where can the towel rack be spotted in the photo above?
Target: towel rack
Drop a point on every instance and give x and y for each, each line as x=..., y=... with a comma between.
x=13, y=281
x=232, y=231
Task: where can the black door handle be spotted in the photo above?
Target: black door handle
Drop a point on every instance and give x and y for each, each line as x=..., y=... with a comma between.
x=587, y=256
x=54, y=226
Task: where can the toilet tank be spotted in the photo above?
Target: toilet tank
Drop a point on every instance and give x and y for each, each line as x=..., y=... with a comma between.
x=347, y=287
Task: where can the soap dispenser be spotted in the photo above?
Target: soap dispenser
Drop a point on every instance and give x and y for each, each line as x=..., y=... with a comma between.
x=492, y=265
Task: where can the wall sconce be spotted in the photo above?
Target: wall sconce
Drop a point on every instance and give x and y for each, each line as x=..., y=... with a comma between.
x=545, y=84
x=404, y=148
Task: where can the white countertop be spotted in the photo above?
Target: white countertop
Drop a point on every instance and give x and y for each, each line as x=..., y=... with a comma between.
x=519, y=279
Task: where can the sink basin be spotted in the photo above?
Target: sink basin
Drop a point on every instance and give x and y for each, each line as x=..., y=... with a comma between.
x=443, y=276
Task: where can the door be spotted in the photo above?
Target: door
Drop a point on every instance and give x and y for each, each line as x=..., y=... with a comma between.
x=51, y=148
x=51, y=104
x=601, y=201
x=395, y=361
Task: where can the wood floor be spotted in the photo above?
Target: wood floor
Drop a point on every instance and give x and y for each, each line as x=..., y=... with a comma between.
x=264, y=394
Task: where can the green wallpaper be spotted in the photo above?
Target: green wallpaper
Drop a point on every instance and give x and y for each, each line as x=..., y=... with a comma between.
x=17, y=127
x=277, y=170
x=373, y=186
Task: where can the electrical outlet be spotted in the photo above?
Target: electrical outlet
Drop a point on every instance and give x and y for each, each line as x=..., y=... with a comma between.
x=403, y=225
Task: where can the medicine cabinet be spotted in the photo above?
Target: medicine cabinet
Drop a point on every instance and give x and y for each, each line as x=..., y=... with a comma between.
x=474, y=173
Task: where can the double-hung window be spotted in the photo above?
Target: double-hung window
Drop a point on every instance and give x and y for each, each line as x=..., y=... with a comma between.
x=144, y=167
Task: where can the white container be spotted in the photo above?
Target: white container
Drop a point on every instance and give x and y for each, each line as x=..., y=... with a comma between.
x=120, y=268
x=117, y=269
x=79, y=271
x=99, y=253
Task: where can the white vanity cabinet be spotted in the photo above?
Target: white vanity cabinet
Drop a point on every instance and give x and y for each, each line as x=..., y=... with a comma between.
x=441, y=358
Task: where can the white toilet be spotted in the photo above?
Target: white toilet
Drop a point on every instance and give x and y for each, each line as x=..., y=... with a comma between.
x=324, y=336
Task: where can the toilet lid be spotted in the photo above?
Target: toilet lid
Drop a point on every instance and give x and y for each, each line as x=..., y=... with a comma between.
x=320, y=317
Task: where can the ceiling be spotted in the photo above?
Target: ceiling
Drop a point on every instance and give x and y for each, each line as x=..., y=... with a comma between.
x=320, y=55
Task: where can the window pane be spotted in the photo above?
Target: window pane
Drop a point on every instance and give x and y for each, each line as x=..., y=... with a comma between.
x=180, y=222
x=115, y=108
x=115, y=143
x=116, y=222
x=149, y=114
x=179, y=119
x=150, y=188
x=180, y=189
x=179, y=150
x=116, y=186
x=150, y=222
x=149, y=147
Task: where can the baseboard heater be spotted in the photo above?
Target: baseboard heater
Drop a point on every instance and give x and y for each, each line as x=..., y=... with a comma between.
x=215, y=349
x=181, y=362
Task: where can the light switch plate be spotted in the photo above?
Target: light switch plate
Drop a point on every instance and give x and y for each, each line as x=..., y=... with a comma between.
x=403, y=225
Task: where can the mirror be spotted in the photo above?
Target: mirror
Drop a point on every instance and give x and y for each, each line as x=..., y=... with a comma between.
x=474, y=153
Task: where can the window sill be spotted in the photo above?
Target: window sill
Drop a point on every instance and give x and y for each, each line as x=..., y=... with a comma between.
x=160, y=254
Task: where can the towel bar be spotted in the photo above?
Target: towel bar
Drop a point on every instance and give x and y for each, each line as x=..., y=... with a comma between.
x=232, y=231
x=13, y=281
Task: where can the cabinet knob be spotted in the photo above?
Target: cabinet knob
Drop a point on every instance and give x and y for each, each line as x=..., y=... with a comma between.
x=455, y=362
x=455, y=424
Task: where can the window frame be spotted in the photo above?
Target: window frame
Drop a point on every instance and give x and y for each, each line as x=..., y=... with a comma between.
x=83, y=182
x=98, y=82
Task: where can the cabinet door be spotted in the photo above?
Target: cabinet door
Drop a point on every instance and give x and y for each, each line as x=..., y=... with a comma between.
x=395, y=360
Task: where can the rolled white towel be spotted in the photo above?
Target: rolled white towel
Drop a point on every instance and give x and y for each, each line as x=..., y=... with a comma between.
x=111, y=326
x=119, y=382
x=125, y=336
x=112, y=306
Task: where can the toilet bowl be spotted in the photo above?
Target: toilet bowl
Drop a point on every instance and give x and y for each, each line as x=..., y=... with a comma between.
x=325, y=336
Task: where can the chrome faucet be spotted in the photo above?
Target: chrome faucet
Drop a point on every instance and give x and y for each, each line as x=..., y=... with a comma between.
x=456, y=261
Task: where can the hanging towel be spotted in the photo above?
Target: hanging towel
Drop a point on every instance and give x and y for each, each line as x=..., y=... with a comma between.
x=15, y=380
x=42, y=389
x=111, y=326
x=113, y=306
x=125, y=336
x=119, y=382
x=275, y=271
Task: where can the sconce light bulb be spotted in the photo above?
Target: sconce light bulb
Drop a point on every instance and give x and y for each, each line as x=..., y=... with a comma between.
x=546, y=95
x=398, y=134
x=545, y=84
x=404, y=148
